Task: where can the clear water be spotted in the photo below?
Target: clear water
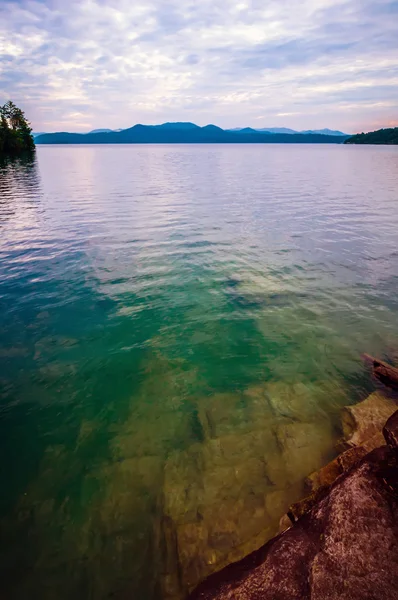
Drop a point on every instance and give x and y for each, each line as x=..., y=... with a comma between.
x=180, y=326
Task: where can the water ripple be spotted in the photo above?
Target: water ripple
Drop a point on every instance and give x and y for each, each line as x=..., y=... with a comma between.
x=159, y=303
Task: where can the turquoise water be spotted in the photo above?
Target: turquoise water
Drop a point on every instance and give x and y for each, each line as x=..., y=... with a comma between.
x=180, y=326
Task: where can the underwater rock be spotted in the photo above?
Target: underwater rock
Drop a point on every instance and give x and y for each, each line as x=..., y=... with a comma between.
x=300, y=508
x=329, y=473
x=357, y=421
x=366, y=419
x=305, y=447
x=325, y=476
x=345, y=547
x=214, y=502
x=223, y=498
x=298, y=401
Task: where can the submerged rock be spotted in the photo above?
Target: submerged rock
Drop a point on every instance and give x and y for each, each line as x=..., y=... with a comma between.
x=366, y=419
x=344, y=548
x=223, y=498
x=325, y=476
x=347, y=515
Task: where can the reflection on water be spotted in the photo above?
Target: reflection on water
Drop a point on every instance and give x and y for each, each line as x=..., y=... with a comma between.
x=180, y=327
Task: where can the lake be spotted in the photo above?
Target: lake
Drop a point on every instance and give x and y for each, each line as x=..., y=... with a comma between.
x=180, y=327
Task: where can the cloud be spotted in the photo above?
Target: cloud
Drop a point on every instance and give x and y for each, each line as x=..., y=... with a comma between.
x=111, y=63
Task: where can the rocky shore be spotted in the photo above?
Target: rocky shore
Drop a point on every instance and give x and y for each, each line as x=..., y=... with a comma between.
x=193, y=494
x=341, y=541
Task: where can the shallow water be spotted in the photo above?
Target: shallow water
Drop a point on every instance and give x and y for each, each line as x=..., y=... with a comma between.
x=180, y=326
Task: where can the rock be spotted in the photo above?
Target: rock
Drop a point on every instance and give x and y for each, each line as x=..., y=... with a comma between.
x=329, y=473
x=297, y=400
x=344, y=548
x=366, y=419
x=300, y=508
x=284, y=523
x=325, y=476
x=390, y=431
x=351, y=457
x=224, y=497
x=374, y=442
x=215, y=506
x=277, y=503
x=305, y=447
x=229, y=413
x=386, y=373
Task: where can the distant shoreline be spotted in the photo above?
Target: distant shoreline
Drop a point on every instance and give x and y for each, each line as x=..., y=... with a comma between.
x=186, y=133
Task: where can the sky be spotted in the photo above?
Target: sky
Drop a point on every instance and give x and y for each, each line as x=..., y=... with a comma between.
x=76, y=65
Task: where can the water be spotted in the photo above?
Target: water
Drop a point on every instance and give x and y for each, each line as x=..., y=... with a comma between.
x=180, y=326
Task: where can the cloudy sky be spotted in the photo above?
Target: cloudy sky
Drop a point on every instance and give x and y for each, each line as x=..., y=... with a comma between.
x=81, y=64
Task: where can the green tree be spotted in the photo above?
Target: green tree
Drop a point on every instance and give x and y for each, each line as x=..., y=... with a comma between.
x=15, y=131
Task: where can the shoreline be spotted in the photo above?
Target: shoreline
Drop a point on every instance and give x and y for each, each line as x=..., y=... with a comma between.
x=368, y=456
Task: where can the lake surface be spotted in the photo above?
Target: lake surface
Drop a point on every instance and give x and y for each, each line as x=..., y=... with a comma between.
x=180, y=327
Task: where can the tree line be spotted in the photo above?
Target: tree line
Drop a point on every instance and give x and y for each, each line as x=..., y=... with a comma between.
x=15, y=131
x=381, y=136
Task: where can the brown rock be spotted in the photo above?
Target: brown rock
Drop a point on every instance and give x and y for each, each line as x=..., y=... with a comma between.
x=344, y=548
x=284, y=523
x=214, y=501
x=374, y=442
x=365, y=419
x=224, y=497
x=296, y=400
x=351, y=457
x=390, y=431
x=300, y=508
x=325, y=476
x=305, y=447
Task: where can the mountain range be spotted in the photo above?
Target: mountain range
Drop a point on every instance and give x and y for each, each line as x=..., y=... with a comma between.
x=289, y=131
x=185, y=133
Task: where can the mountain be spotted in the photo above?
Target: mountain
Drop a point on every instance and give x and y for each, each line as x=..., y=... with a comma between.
x=101, y=131
x=185, y=133
x=325, y=132
x=388, y=137
x=290, y=131
x=244, y=130
x=35, y=135
x=263, y=130
x=184, y=126
x=278, y=130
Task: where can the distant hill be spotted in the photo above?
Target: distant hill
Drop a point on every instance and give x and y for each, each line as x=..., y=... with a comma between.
x=264, y=130
x=325, y=132
x=185, y=133
x=290, y=131
x=185, y=126
x=388, y=137
x=247, y=130
x=101, y=131
x=278, y=130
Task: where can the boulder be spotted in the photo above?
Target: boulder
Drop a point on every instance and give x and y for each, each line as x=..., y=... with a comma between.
x=344, y=548
x=350, y=457
x=325, y=476
x=364, y=420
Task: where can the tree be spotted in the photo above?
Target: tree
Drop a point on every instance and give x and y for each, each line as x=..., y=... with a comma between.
x=15, y=131
x=381, y=136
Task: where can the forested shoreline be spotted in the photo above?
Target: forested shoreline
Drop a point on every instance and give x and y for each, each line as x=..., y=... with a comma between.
x=387, y=137
x=15, y=131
